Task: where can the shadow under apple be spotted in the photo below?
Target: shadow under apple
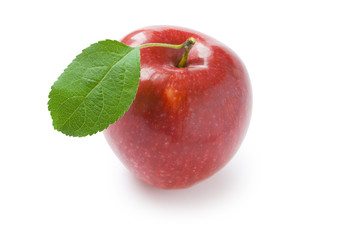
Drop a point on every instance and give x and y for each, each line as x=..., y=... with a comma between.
x=222, y=185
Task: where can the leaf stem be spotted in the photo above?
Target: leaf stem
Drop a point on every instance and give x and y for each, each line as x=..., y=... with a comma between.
x=162, y=45
x=188, y=44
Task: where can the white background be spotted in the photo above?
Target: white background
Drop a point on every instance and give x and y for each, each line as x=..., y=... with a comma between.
x=296, y=176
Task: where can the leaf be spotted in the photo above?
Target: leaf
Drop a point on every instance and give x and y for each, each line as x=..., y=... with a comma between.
x=96, y=89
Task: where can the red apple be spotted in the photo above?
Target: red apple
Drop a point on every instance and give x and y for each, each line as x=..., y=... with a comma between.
x=186, y=123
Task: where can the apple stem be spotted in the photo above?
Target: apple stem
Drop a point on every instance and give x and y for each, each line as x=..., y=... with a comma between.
x=188, y=44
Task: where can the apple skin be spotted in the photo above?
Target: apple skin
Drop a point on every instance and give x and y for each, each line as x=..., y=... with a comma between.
x=186, y=123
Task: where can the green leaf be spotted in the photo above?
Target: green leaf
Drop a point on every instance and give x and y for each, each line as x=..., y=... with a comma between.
x=96, y=89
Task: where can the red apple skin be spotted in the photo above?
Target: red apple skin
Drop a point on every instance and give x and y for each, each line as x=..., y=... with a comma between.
x=186, y=123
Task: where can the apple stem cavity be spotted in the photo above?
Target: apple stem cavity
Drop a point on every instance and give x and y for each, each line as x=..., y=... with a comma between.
x=188, y=44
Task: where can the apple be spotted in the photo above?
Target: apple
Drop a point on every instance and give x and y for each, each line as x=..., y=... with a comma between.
x=185, y=123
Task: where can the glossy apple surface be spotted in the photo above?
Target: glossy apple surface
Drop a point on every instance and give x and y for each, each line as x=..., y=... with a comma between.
x=186, y=123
